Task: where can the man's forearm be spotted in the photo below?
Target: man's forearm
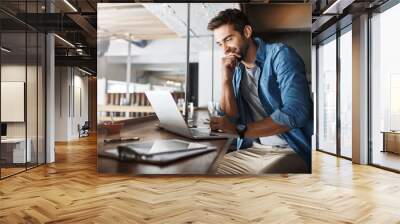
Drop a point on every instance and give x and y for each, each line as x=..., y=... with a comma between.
x=228, y=102
x=265, y=127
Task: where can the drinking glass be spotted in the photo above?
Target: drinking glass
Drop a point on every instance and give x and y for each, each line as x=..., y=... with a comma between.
x=213, y=108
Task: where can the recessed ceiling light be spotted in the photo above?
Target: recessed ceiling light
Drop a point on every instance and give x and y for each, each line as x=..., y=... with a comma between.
x=337, y=7
x=84, y=71
x=70, y=5
x=64, y=40
x=5, y=50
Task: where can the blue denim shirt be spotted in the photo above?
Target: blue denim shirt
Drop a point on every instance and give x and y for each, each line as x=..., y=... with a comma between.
x=284, y=94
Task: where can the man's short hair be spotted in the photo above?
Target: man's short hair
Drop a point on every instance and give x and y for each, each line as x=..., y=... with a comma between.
x=233, y=17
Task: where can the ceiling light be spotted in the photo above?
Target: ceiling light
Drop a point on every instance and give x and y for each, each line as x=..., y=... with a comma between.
x=337, y=7
x=173, y=83
x=5, y=50
x=84, y=71
x=70, y=5
x=64, y=40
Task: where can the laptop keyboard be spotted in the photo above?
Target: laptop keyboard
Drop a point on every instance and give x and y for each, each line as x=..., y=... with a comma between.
x=200, y=132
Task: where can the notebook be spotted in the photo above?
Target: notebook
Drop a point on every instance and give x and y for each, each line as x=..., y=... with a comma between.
x=160, y=152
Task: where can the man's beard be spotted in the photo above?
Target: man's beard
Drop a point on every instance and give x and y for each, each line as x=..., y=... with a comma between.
x=244, y=49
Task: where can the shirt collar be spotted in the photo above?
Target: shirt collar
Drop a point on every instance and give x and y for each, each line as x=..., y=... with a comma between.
x=260, y=55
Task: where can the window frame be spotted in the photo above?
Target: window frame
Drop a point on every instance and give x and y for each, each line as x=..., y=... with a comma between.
x=333, y=37
x=378, y=10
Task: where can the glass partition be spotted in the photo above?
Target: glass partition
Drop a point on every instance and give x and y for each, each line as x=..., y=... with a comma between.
x=149, y=54
x=22, y=89
x=31, y=97
x=13, y=94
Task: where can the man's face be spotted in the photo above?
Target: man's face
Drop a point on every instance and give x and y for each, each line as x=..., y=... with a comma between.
x=231, y=41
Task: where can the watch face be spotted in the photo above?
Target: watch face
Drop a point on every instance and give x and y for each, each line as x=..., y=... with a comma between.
x=241, y=127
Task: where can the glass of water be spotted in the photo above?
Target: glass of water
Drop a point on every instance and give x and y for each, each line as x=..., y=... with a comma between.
x=213, y=108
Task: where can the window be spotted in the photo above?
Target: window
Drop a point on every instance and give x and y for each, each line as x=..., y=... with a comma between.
x=385, y=89
x=346, y=94
x=327, y=97
x=335, y=137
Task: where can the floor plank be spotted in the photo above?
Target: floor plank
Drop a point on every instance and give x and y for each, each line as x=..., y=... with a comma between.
x=71, y=191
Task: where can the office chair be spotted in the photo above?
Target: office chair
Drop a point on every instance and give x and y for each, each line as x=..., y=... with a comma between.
x=84, y=130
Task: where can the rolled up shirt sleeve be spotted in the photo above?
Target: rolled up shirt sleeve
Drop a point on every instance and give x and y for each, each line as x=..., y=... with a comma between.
x=296, y=109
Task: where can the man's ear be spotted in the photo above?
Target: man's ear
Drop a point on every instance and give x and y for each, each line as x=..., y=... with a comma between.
x=247, y=31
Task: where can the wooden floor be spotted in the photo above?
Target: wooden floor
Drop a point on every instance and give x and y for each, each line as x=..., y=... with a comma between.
x=71, y=191
x=387, y=159
x=10, y=171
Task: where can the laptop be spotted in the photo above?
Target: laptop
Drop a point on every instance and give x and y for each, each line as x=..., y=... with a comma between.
x=171, y=119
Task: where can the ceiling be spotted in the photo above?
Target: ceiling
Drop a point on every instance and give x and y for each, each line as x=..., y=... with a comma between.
x=148, y=21
x=131, y=21
x=174, y=15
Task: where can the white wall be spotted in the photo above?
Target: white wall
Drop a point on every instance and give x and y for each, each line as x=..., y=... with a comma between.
x=205, y=78
x=69, y=85
x=61, y=103
x=12, y=73
x=79, y=117
x=156, y=52
x=206, y=81
x=33, y=125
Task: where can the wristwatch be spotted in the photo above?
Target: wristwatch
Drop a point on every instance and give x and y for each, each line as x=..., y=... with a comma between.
x=241, y=130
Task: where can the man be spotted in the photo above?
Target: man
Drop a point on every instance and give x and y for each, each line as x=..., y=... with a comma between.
x=265, y=94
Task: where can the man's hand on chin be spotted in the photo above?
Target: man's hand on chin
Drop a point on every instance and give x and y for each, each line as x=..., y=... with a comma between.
x=222, y=124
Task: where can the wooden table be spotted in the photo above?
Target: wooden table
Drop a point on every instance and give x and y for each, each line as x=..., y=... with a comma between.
x=391, y=141
x=148, y=131
x=125, y=108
